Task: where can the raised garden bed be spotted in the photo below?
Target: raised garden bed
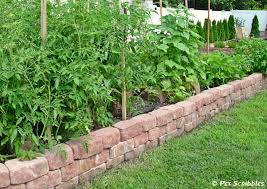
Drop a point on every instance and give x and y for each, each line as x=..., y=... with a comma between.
x=67, y=165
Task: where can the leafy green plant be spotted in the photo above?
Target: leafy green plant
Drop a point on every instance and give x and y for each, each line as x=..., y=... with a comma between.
x=255, y=31
x=219, y=44
x=232, y=44
x=254, y=51
x=221, y=68
x=175, y=56
x=69, y=84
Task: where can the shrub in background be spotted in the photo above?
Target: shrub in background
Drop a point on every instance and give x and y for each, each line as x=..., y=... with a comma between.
x=231, y=44
x=214, y=30
x=221, y=32
x=226, y=29
x=255, y=31
x=231, y=24
x=219, y=44
x=205, y=29
x=200, y=30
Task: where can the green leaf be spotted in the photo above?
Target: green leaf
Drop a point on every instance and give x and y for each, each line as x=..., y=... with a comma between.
x=13, y=135
x=182, y=47
x=35, y=140
x=77, y=81
x=163, y=47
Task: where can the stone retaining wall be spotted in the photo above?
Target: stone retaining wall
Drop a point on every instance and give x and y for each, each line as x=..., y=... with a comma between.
x=76, y=162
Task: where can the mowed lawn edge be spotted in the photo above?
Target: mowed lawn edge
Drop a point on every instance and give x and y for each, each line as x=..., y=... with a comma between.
x=231, y=147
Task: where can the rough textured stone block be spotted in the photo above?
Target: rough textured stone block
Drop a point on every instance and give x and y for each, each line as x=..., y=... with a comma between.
x=115, y=162
x=188, y=107
x=69, y=184
x=86, y=164
x=216, y=94
x=198, y=100
x=148, y=121
x=87, y=176
x=189, y=127
x=180, y=122
x=236, y=84
x=60, y=156
x=152, y=144
x=4, y=176
x=25, y=171
x=171, y=126
x=95, y=144
x=162, y=130
x=130, y=128
x=163, y=116
x=70, y=171
x=86, y=146
x=166, y=137
x=19, y=186
x=39, y=183
x=154, y=134
x=54, y=178
x=225, y=90
x=121, y=148
x=180, y=131
x=79, y=149
x=102, y=157
x=137, y=152
x=177, y=111
x=110, y=136
x=141, y=139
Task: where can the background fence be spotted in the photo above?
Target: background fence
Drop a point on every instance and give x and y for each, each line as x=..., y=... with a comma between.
x=201, y=15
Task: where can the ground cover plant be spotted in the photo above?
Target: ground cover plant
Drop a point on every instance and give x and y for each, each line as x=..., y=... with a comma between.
x=231, y=148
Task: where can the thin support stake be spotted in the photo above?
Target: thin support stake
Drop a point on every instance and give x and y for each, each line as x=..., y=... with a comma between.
x=43, y=21
x=123, y=93
x=208, y=33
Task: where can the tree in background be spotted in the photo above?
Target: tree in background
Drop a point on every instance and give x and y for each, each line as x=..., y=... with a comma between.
x=226, y=29
x=246, y=5
x=205, y=29
x=214, y=30
x=255, y=32
x=231, y=25
x=200, y=30
x=221, y=32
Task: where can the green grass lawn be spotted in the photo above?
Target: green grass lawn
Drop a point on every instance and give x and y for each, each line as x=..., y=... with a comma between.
x=231, y=147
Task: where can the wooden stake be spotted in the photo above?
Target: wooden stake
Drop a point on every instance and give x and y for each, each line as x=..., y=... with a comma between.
x=43, y=21
x=160, y=9
x=186, y=3
x=123, y=92
x=208, y=33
